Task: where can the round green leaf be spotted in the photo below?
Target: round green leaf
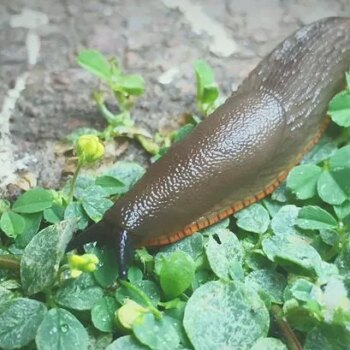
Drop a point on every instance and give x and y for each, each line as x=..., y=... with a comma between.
x=339, y=109
x=330, y=190
x=19, y=320
x=302, y=180
x=148, y=287
x=341, y=158
x=12, y=224
x=110, y=184
x=75, y=211
x=33, y=201
x=315, y=218
x=158, y=334
x=327, y=337
x=32, y=225
x=292, y=253
x=223, y=251
x=268, y=344
x=41, y=257
x=54, y=214
x=283, y=223
x=94, y=202
x=79, y=294
x=222, y=315
x=268, y=281
x=102, y=314
x=127, y=342
x=176, y=274
x=255, y=218
x=60, y=330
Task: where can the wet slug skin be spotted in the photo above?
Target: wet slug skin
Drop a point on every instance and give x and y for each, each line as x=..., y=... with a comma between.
x=242, y=151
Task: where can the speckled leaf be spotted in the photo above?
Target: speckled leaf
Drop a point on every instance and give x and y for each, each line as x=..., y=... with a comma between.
x=192, y=245
x=268, y=281
x=41, y=257
x=255, y=218
x=268, y=344
x=329, y=188
x=313, y=217
x=127, y=342
x=19, y=320
x=102, y=314
x=79, y=294
x=223, y=251
x=31, y=228
x=327, y=337
x=148, y=287
x=60, y=330
x=225, y=315
x=302, y=180
x=147, y=326
x=75, y=210
x=94, y=202
x=126, y=172
x=283, y=223
x=292, y=253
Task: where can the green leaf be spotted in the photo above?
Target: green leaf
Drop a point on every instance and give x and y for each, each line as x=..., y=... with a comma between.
x=269, y=282
x=54, y=214
x=133, y=85
x=19, y=319
x=302, y=290
x=12, y=224
x=127, y=342
x=224, y=251
x=79, y=294
x=192, y=245
x=339, y=109
x=315, y=218
x=283, y=223
x=61, y=330
x=126, y=172
x=183, y=132
x=292, y=253
x=102, y=314
x=341, y=159
x=302, y=180
x=5, y=295
x=94, y=203
x=41, y=257
x=148, y=287
x=176, y=274
x=146, y=326
x=33, y=201
x=327, y=337
x=75, y=211
x=225, y=315
x=107, y=271
x=32, y=224
x=329, y=190
x=255, y=218
x=207, y=90
x=110, y=184
x=268, y=344
x=94, y=62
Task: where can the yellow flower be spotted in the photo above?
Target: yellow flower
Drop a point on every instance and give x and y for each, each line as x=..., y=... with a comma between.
x=82, y=263
x=89, y=149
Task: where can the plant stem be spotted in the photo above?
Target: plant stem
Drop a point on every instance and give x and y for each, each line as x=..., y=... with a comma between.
x=288, y=334
x=143, y=296
x=74, y=180
x=10, y=262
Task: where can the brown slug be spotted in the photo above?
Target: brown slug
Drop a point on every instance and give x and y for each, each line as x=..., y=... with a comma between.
x=242, y=151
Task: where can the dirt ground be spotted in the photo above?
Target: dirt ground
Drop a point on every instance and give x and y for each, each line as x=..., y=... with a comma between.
x=44, y=94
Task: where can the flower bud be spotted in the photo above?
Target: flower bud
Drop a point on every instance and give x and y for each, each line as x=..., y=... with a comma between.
x=89, y=149
x=82, y=263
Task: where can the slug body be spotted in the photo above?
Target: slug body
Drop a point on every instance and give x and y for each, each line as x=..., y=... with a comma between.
x=244, y=150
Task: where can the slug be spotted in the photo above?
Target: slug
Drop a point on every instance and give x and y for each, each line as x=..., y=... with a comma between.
x=241, y=152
